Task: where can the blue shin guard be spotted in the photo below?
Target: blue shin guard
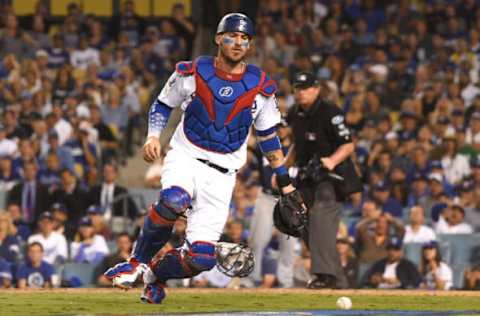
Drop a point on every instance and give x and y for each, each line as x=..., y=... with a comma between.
x=179, y=264
x=158, y=224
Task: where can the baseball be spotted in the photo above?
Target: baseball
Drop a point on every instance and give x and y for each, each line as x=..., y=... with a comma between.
x=344, y=302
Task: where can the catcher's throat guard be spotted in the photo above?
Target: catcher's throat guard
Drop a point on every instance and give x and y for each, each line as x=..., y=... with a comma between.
x=234, y=260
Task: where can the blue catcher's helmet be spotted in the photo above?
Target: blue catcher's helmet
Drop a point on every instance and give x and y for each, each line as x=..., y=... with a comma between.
x=236, y=22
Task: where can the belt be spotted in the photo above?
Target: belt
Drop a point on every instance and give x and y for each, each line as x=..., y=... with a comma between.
x=214, y=166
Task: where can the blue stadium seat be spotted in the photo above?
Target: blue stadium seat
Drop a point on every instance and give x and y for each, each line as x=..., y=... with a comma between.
x=458, y=272
x=461, y=246
x=3, y=199
x=112, y=246
x=83, y=271
x=143, y=197
x=362, y=270
x=413, y=252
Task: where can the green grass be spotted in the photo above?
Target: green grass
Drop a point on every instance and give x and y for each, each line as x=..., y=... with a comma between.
x=123, y=303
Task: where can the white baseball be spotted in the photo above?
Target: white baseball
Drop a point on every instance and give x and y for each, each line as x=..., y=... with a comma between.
x=344, y=302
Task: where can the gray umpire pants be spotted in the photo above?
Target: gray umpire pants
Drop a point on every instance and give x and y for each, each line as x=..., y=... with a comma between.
x=260, y=235
x=324, y=218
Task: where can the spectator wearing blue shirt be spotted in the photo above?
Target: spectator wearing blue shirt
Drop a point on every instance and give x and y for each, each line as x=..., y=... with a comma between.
x=8, y=175
x=419, y=165
x=49, y=175
x=114, y=111
x=23, y=229
x=84, y=152
x=389, y=204
x=419, y=193
x=35, y=273
x=63, y=153
x=57, y=54
x=5, y=274
x=9, y=248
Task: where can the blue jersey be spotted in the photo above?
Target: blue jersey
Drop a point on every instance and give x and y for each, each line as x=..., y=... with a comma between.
x=5, y=270
x=219, y=109
x=9, y=248
x=36, y=277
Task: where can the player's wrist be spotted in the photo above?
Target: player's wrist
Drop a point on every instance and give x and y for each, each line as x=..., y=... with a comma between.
x=153, y=136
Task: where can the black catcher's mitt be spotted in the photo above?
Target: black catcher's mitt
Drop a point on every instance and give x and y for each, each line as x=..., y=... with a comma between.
x=290, y=214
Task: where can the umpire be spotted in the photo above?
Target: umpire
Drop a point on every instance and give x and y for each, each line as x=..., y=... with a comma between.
x=321, y=151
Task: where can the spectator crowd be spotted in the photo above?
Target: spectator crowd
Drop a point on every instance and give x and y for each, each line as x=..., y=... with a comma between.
x=73, y=100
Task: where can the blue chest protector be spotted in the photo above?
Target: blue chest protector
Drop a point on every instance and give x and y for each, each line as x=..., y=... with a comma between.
x=219, y=116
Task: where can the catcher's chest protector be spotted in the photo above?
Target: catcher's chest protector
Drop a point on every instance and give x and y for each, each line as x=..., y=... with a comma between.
x=219, y=117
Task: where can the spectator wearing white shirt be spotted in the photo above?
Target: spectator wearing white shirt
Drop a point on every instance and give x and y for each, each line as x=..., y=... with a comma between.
x=472, y=135
x=88, y=246
x=394, y=271
x=455, y=165
x=451, y=221
x=63, y=128
x=54, y=243
x=437, y=275
x=7, y=147
x=416, y=231
x=84, y=55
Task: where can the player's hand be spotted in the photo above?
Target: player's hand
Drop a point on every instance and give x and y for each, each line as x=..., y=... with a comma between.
x=151, y=149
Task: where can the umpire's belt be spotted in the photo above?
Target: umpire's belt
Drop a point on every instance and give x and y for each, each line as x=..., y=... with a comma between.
x=214, y=166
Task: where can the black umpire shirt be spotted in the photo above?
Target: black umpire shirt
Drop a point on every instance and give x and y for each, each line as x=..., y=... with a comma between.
x=320, y=131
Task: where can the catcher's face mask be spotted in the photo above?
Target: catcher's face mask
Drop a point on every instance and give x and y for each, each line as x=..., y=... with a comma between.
x=234, y=260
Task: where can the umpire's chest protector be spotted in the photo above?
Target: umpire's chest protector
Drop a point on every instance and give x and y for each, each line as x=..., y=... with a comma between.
x=219, y=116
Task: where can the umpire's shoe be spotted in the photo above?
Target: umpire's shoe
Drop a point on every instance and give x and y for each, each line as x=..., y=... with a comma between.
x=154, y=290
x=124, y=275
x=322, y=281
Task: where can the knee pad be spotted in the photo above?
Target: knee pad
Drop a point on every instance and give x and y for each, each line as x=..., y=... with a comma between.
x=172, y=203
x=200, y=257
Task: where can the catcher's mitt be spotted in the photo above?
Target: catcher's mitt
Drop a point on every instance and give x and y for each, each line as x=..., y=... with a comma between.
x=290, y=214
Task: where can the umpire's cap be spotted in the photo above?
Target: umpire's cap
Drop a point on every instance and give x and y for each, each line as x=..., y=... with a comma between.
x=236, y=22
x=304, y=79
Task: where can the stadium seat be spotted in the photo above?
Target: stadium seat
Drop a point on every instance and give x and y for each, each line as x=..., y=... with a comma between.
x=458, y=272
x=82, y=271
x=3, y=199
x=112, y=246
x=143, y=197
x=406, y=214
x=362, y=270
x=461, y=246
x=413, y=252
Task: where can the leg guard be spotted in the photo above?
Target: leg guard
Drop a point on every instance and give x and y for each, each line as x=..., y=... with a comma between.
x=181, y=263
x=158, y=224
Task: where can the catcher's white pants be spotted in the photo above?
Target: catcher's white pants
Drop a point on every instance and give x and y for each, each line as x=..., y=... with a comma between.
x=211, y=192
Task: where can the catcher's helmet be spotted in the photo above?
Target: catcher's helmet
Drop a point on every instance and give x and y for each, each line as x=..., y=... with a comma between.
x=236, y=22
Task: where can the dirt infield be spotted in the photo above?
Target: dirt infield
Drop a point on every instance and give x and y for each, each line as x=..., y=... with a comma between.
x=262, y=291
